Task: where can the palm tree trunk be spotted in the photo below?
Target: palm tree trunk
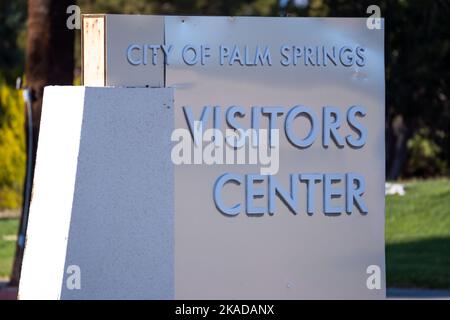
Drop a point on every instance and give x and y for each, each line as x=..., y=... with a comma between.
x=49, y=61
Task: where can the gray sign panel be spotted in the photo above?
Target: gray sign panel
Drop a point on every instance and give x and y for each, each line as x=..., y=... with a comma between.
x=284, y=255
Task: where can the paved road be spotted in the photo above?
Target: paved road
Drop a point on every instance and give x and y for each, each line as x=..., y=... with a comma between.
x=396, y=293
x=7, y=293
x=392, y=293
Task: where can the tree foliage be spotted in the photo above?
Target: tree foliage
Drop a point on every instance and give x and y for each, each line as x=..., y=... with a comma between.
x=12, y=24
x=182, y=7
x=417, y=43
x=12, y=147
x=12, y=137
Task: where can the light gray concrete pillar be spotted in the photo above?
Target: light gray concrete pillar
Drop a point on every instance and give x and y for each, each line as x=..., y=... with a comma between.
x=102, y=205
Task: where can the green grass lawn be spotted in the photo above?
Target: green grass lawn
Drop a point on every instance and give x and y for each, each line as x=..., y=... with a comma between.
x=8, y=231
x=417, y=237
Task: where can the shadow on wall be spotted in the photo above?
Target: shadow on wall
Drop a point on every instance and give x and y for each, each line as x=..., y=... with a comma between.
x=419, y=264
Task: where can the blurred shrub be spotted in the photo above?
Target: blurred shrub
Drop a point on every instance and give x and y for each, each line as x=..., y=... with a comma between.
x=425, y=155
x=12, y=146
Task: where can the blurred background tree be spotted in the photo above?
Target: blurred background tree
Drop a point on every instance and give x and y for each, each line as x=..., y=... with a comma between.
x=417, y=62
x=417, y=44
x=12, y=35
x=12, y=135
x=49, y=53
x=36, y=45
x=417, y=58
x=417, y=66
